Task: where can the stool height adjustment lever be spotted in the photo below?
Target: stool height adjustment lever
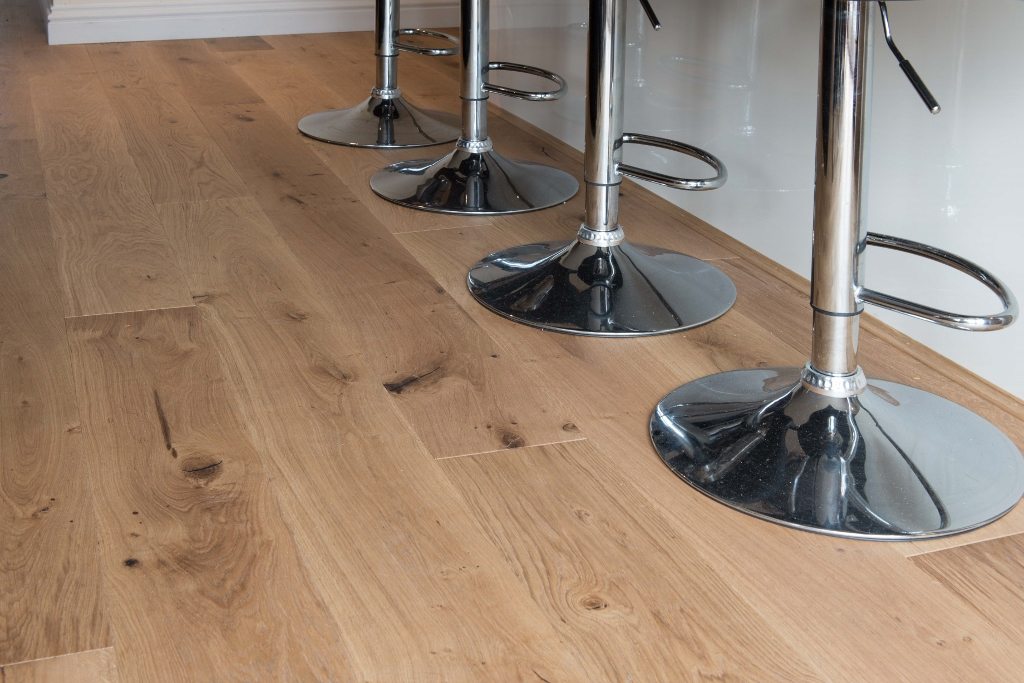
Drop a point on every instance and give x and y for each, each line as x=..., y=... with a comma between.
x=908, y=69
x=651, y=16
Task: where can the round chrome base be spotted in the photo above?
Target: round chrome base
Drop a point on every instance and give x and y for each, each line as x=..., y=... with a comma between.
x=893, y=463
x=624, y=290
x=380, y=123
x=464, y=182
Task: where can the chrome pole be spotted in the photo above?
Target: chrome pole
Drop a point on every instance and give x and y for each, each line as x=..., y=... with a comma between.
x=839, y=192
x=606, y=41
x=475, y=40
x=385, y=27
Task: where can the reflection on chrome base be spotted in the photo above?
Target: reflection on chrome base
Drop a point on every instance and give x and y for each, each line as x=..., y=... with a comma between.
x=624, y=290
x=892, y=463
x=382, y=123
x=471, y=182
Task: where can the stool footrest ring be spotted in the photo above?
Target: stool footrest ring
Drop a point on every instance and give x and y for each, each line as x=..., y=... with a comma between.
x=531, y=95
x=428, y=51
x=695, y=184
x=970, y=323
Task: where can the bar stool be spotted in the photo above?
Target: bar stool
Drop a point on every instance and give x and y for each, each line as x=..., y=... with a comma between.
x=386, y=120
x=823, y=448
x=473, y=178
x=599, y=284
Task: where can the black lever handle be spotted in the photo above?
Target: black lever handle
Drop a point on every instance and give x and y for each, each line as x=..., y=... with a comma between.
x=651, y=16
x=908, y=69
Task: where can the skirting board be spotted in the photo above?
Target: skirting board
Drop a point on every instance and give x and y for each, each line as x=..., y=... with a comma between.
x=114, y=22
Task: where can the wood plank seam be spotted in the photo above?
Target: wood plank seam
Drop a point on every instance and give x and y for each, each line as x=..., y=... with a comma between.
x=63, y=654
x=516, y=450
x=133, y=310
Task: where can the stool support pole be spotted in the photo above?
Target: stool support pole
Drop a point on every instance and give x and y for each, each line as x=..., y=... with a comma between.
x=385, y=26
x=606, y=41
x=839, y=212
x=475, y=27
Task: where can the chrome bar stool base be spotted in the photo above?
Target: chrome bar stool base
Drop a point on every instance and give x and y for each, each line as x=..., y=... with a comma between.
x=624, y=290
x=382, y=123
x=890, y=463
x=478, y=183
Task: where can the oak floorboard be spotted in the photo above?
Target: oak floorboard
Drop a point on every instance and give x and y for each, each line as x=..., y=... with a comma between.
x=21, y=173
x=202, y=577
x=834, y=597
x=387, y=538
x=193, y=61
x=417, y=340
x=93, y=666
x=175, y=156
x=50, y=586
x=17, y=121
x=987, y=576
x=112, y=253
x=615, y=576
x=238, y=44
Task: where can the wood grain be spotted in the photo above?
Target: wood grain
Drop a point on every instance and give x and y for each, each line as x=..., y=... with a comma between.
x=442, y=365
x=93, y=666
x=16, y=117
x=175, y=156
x=21, y=173
x=238, y=44
x=836, y=598
x=386, y=537
x=594, y=553
x=112, y=253
x=987, y=576
x=202, y=576
x=50, y=600
x=192, y=61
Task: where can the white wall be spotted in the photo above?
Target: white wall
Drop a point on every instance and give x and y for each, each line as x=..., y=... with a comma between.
x=101, y=21
x=739, y=78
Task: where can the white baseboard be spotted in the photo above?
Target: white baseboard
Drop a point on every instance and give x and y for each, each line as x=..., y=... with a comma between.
x=113, y=22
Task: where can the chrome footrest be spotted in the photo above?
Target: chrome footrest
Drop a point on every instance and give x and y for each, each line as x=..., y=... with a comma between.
x=531, y=95
x=692, y=184
x=969, y=323
x=427, y=51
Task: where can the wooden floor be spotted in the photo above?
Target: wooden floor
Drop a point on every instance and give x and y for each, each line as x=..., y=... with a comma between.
x=252, y=427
